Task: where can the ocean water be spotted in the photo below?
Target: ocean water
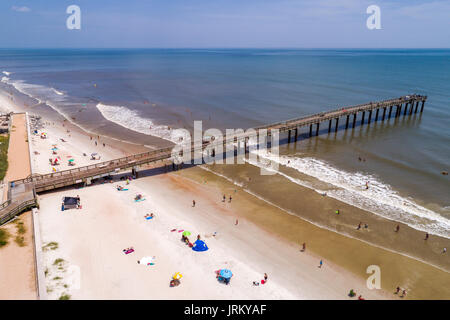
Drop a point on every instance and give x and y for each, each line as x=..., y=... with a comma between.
x=151, y=91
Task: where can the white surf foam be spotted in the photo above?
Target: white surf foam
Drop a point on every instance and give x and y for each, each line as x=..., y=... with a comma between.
x=7, y=73
x=60, y=93
x=131, y=119
x=348, y=187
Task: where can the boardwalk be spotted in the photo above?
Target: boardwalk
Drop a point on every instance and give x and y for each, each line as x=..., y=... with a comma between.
x=384, y=109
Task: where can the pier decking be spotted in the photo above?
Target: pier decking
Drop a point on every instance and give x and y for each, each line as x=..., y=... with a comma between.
x=39, y=183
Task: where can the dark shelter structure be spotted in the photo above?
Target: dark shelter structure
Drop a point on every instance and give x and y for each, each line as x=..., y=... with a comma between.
x=70, y=203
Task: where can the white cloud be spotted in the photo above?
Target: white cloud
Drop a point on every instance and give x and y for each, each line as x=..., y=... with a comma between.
x=20, y=9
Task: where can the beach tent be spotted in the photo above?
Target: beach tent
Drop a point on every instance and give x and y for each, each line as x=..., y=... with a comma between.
x=199, y=245
x=69, y=203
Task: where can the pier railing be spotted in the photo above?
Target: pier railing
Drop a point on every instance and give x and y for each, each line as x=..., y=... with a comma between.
x=77, y=175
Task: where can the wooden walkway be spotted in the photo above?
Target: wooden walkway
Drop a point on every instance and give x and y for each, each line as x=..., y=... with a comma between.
x=385, y=109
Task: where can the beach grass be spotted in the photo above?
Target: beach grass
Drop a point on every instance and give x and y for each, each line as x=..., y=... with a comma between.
x=65, y=297
x=20, y=228
x=58, y=262
x=50, y=246
x=4, y=236
x=4, y=142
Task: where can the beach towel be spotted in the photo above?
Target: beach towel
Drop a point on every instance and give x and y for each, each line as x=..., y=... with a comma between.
x=129, y=251
x=142, y=199
x=122, y=190
x=147, y=261
x=148, y=218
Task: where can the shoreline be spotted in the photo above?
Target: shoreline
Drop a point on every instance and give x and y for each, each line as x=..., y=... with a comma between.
x=329, y=234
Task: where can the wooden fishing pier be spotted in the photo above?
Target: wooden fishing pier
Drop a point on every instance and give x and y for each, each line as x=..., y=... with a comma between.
x=23, y=194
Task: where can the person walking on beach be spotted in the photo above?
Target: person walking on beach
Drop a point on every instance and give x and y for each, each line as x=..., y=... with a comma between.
x=367, y=185
x=229, y=200
x=193, y=203
x=224, y=198
x=320, y=264
x=426, y=236
x=265, y=277
x=398, y=290
x=403, y=294
x=236, y=223
x=359, y=226
x=303, y=247
x=96, y=143
x=397, y=228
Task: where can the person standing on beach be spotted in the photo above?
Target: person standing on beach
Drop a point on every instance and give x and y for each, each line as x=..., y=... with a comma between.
x=337, y=211
x=397, y=228
x=303, y=246
x=224, y=198
x=229, y=200
x=193, y=203
x=320, y=264
x=398, y=290
x=265, y=277
x=236, y=223
x=96, y=143
x=426, y=236
x=445, y=250
x=359, y=226
x=403, y=294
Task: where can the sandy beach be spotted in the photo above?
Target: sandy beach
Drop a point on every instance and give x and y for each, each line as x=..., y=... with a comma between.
x=83, y=248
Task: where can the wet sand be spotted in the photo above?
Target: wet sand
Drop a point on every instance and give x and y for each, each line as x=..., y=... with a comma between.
x=421, y=280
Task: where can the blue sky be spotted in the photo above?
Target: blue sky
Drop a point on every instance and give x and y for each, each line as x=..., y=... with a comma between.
x=225, y=23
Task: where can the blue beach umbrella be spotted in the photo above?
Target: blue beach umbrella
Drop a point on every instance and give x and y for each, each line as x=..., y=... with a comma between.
x=199, y=245
x=225, y=273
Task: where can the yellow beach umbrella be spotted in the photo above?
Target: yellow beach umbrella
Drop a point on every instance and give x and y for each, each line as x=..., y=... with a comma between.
x=177, y=276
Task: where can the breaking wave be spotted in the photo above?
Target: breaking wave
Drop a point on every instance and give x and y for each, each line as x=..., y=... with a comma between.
x=131, y=119
x=350, y=188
